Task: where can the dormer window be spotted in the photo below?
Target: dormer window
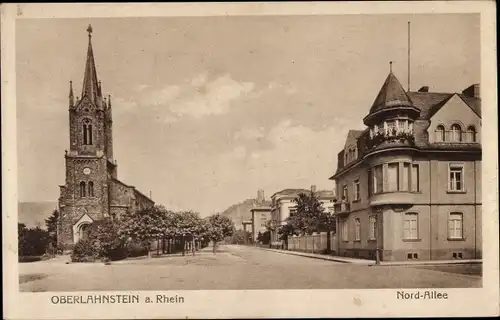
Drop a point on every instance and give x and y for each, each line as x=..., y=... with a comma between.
x=440, y=133
x=456, y=133
x=351, y=154
x=471, y=134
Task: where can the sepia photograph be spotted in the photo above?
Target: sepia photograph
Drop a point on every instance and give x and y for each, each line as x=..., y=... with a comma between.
x=249, y=152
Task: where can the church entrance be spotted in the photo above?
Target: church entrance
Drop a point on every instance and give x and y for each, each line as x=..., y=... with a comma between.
x=84, y=231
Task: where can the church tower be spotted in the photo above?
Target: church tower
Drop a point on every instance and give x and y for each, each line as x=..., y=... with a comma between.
x=89, y=163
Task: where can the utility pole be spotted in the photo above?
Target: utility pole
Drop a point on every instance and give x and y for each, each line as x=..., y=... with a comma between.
x=408, y=56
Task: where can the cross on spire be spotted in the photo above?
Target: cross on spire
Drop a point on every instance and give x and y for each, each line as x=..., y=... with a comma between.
x=91, y=87
x=390, y=66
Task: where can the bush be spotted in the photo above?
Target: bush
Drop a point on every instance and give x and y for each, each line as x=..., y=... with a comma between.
x=136, y=250
x=29, y=258
x=85, y=250
x=102, y=242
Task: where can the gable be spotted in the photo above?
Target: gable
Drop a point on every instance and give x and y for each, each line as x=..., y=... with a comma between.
x=85, y=218
x=85, y=106
x=352, y=138
x=455, y=111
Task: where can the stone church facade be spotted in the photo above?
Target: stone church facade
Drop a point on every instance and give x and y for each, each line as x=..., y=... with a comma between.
x=92, y=190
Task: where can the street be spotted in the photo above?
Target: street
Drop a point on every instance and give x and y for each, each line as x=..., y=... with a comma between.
x=233, y=267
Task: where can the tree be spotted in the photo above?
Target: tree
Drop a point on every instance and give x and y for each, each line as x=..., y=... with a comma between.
x=189, y=225
x=21, y=232
x=105, y=234
x=219, y=227
x=33, y=241
x=264, y=237
x=310, y=217
x=51, y=224
x=239, y=237
x=143, y=226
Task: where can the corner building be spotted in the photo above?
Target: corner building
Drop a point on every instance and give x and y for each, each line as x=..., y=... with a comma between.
x=409, y=185
x=92, y=190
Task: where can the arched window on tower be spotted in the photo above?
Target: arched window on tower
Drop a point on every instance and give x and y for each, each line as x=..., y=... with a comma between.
x=456, y=133
x=440, y=133
x=91, y=189
x=87, y=132
x=83, y=192
x=471, y=133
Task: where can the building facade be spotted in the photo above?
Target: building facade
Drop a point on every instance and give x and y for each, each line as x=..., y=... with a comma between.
x=92, y=190
x=409, y=185
x=261, y=215
x=282, y=204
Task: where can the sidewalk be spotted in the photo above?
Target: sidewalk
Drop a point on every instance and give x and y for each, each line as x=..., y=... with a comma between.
x=322, y=256
x=372, y=262
x=430, y=262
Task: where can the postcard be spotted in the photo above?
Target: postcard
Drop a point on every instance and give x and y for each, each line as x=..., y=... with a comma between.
x=249, y=160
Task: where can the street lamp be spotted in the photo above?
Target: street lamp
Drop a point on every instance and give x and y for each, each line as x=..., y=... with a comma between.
x=377, y=249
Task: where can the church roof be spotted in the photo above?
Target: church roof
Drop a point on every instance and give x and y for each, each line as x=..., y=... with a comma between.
x=392, y=94
x=90, y=83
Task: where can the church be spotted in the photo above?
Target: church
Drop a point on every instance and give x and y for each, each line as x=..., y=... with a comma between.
x=92, y=190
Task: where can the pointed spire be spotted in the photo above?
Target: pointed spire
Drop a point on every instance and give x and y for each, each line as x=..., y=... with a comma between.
x=71, y=96
x=90, y=84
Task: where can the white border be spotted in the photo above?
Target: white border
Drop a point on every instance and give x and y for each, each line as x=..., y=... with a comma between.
x=256, y=303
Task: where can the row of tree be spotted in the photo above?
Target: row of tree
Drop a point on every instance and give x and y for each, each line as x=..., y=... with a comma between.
x=172, y=231
x=160, y=223
x=308, y=217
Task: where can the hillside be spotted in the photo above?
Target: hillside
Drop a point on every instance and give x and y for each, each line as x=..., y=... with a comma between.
x=33, y=214
x=240, y=212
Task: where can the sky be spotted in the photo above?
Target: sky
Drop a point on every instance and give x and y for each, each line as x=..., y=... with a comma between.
x=207, y=110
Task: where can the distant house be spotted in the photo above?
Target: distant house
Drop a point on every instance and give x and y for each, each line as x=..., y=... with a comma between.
x=410, y=183
x=261, y=214
x=282, y=205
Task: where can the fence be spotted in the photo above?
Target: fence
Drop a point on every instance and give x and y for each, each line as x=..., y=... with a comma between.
x=315, y=243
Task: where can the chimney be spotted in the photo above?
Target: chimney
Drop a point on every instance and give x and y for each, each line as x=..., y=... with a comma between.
x=424, y=89
x=260, y=196
x=313, y=188
x=472, y=91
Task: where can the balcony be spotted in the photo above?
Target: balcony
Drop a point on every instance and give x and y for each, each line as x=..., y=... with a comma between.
x=342, y=207
x=382, y=140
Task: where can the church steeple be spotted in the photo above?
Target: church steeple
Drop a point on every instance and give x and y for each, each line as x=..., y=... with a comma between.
x=90, y=83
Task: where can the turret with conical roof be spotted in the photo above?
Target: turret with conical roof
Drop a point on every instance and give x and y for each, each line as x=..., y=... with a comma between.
x=391, y=97
x=392, y=114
